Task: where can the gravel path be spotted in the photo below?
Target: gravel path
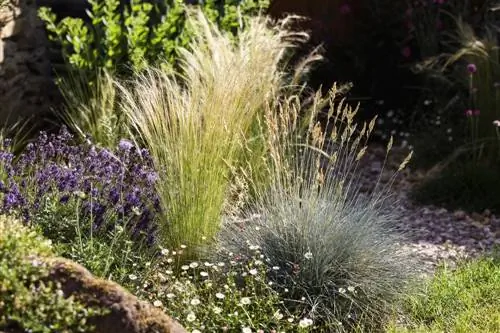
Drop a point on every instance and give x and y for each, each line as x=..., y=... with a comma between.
x=435, y=234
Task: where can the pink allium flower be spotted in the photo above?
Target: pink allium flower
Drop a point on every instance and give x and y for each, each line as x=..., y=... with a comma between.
x=471, y=68
x=345, y=9
x=496, y=123
x=477, y=112
x=468, y=113
x=406, y=51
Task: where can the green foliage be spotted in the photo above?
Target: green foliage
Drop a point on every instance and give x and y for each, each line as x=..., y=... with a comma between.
x=26, y=303
x=112, y=254
x=139, y=34
x=232, y=294
x=465, y=300
x=118, y=40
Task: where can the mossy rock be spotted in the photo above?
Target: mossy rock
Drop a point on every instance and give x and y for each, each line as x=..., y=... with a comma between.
x=43, y=293
x=27, y=303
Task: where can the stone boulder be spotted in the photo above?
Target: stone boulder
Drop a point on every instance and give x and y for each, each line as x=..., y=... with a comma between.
x=127, y=314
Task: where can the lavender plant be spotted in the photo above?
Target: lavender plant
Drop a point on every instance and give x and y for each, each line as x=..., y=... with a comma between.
x=55, y=184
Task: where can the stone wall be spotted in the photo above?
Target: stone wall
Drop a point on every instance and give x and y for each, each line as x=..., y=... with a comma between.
x=26, y=84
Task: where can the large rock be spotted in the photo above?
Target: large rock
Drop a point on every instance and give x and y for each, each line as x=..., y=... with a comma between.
x=127, y=314
x=27, y=88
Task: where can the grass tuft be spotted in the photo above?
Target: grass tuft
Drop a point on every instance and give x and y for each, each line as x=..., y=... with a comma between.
x=200, y=123
x=91, y=107
x=336, y=250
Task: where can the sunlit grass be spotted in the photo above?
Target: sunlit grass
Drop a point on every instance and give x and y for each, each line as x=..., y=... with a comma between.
x=200, y=123
x=465, y=300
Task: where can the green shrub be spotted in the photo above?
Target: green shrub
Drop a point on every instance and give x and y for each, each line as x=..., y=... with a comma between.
x=465, y=300
x=138, y=34
x=25, y=302
x=200, y=129
x=336, y=251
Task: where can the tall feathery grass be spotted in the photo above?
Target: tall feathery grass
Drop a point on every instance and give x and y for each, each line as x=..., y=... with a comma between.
x=334, y=250
x=91, y=107
x=200, y=123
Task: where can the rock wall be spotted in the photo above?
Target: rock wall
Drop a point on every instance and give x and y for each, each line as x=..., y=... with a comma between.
x=26, y=84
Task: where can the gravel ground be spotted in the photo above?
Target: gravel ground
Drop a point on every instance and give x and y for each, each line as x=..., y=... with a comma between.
x=435, y=234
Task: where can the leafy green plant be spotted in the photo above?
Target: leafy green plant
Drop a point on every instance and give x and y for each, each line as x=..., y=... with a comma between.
x=111, y=254
x=197, y=128
x=26, y=303
x=140, y=34
x=337, y=249
x=462, y=300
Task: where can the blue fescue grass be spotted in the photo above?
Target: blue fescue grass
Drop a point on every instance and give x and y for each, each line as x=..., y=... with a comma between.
x=337, y=250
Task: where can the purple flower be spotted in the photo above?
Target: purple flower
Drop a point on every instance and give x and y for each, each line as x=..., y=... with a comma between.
x=6, y=143
x=64, y=199
x=468, y=113
x=10, y=200
x=471, y=68
x=477, y=112
x=125, y=145
x=53, y=168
